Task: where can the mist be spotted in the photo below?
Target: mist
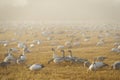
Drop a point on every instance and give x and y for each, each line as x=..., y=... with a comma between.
x=65, y=11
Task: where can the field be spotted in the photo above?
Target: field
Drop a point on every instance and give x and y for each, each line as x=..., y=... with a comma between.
x=42, y=53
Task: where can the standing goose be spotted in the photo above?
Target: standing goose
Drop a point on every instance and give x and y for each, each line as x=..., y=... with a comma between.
x=22, y=58
x=69, y=58
x=76, y=59
x=56, y=58
x=59, y=59
x=54, y=53
x=9, y=57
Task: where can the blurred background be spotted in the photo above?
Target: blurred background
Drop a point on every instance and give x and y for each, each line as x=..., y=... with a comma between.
x=60, y=11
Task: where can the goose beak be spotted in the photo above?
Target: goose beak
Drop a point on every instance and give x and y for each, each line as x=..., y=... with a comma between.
x=69, y=51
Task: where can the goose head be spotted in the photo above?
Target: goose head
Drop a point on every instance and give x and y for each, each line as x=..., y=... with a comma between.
x=42, y=66
x=10, y=49
x=53, y=49
x=70, y=51
x=87, y=64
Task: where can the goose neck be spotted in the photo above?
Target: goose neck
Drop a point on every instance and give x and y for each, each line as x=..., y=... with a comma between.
x=63, y=54
x=70, y=54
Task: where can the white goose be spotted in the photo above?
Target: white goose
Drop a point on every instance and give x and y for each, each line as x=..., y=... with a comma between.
x=35, y=67
x=21, y=45
x=115, y=50
x=54, y=53
x=70, y=57
x=96, y=65
x=56, y=58
x=9, y=57
x=76, y=59
x=100, y=43
x=22, y=58
x=32, y=45
x=5, y=44
x=59, y=59
x=116, y=65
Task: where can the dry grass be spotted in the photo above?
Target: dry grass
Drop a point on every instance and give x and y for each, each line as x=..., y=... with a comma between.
x=64, y=71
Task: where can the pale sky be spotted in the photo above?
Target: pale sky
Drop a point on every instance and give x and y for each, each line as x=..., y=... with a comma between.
x=60, y=10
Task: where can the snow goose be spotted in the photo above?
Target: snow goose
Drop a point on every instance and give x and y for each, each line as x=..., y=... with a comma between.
x=116, y=65
x=100, y=43
x=5, y=44
x=36, y=67
x=22, y=58
x=96, y=65
x=56, y=58
x=76, y=59
x=9, y=57
x=115, y=50
x=21, y=45
x=32, y=45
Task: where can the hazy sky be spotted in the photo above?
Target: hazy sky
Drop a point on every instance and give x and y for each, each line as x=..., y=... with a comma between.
x=60, y=10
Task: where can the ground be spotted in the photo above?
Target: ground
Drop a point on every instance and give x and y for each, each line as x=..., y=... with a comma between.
x=63, y=71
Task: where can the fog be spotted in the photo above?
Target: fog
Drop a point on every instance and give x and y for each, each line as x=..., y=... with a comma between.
x=71, y=11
